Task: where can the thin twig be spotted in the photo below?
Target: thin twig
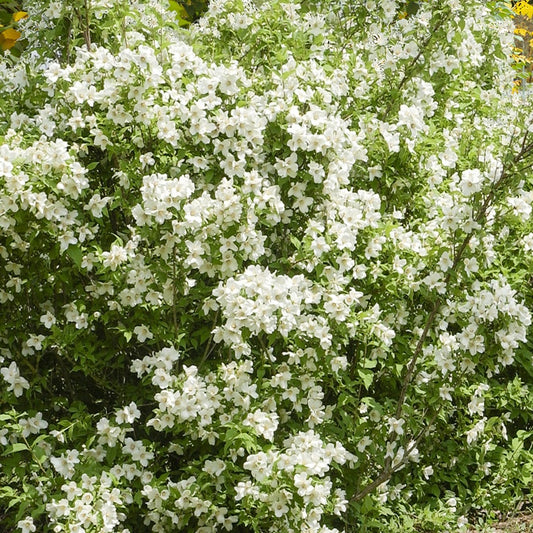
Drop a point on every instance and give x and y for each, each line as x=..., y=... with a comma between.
x=35, y=458
x=87, y=30
x=407, y=71
x=207, y=350
x=174, y=292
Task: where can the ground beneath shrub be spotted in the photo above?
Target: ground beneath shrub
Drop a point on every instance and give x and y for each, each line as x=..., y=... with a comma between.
x=520, y=523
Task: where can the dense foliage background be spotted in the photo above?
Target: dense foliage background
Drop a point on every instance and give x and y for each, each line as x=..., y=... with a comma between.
x=267, y=272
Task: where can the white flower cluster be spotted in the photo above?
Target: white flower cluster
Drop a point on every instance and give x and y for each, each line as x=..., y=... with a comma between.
x=261, y=301
x=16, y=382
x=303, y=464
x=86, y=505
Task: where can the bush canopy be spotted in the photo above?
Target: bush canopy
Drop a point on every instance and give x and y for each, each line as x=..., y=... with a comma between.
x=269, y=273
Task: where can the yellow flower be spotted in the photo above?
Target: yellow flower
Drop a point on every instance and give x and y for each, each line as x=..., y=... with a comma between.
x=8, y=38
x=521, y=31
x=523, y=8
x=19, y=15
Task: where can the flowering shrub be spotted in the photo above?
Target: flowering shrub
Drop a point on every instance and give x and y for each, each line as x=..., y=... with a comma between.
x=267, y=274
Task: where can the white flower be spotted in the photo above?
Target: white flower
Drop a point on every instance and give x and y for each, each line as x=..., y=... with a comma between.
x=116, y=256
x=396, y=425
x=65, y=463
x=147, y=159
x=304, y=484
x=413, y=118
x=33, y=424
x=17, y=383
x=363, y=443
x=427, y=472
x=392, y=138
x=96, y=204
x=143, y=333
x=128, y=415
x=264, y=423
x=161, y=378
x=260, y=465
x=26, y=525
x=245, y=488
x=214, y=468
x=471, y=181
x=476, y=406
x=445, y=262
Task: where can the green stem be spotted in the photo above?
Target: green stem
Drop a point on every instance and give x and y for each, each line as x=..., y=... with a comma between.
x=35, y=458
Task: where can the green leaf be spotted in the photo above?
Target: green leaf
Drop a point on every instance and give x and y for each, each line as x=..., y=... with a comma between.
x=367, y=376
x=75, y=253
x=39, y=452
x=15, y=448
x=370, y=363
x=229, y=438
x=112, y=453
x=40, y=438
x=181, y=13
